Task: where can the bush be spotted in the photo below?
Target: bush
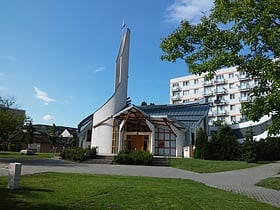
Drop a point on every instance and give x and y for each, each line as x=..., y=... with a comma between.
x=13, y=147
x=134, y=158
x=201, y=145
x=78, y=153
x=223, y=145
x=248, y=151
x=268, y=149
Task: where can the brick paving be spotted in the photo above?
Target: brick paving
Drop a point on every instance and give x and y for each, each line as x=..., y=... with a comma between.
x=239, y=181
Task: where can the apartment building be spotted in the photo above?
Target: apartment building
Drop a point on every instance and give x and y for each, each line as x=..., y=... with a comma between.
x=225, y=93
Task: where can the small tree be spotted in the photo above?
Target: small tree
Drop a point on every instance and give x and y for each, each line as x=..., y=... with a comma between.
x=248, y=148
x=144, y=103
x=201, y=145
x=10, y=121
x=29, y=130
x=53, y=137
x=223, y=145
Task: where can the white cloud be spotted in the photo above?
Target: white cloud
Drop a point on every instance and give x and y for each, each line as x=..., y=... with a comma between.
x=191, y=10
x=99, y=69
x=43, y=96
x=48, y=118
x=8, y=57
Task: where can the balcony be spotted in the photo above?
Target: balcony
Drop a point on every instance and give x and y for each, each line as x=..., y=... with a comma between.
x=220, y=102
x=211, y=114
x=220, y=91
x=176, y=98
x=243, y=77
x=222, y=113
x=176, y=88
x=245, y=88
x=220, y=81
x=244, y=99
x=207, y=83
x=207, y=93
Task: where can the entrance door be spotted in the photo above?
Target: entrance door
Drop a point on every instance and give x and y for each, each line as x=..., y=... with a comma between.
x=137, y=142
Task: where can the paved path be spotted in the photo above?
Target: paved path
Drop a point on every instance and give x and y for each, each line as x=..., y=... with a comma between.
x=238, y=181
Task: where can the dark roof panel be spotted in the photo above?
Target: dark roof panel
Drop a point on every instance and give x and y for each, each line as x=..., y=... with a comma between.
x=187, y=114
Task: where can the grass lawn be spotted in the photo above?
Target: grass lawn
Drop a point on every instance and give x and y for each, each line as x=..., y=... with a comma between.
x=4, y=154
x=84, y=191
x=208, y=166
x=272, y=183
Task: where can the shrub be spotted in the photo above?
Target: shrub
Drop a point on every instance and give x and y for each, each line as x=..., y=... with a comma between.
x=268, y=149
x=223, y=145
x=134, y=158
x=248, y=151
x=78, y=153
x=201, y=145
x=14, y=147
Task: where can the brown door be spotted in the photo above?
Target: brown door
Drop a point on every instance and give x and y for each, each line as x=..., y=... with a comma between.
x=137, y=142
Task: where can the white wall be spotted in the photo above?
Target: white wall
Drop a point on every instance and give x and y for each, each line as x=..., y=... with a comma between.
x=102, y=118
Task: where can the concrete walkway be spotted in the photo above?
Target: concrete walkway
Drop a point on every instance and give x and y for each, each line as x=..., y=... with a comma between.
x=238, y=181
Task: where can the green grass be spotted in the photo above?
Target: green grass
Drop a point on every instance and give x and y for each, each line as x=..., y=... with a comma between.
x=4, y=154
x=208, y=166
x=271, y=183
x=83, y=191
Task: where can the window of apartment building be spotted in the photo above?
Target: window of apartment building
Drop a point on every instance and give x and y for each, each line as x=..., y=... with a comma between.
x=230, y=75
x=186, y=83
x=195, y=91
x=244, y=95
x=244, y=84
x=176, y=93
x=257, y=82
x=233, y=118
x=232, y=96
x=232, y=107
x=195, y=81
x=231, y=86
x=186, y=101
x=219, y=77
x=243, y=73
x=175, y=84
x=186, y=92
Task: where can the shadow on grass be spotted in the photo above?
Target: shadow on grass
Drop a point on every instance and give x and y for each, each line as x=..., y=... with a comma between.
x=39, y=162
x=23, y=198
x=5, y=153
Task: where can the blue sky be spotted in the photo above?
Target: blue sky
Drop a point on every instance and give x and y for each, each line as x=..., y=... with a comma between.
x=57, y=57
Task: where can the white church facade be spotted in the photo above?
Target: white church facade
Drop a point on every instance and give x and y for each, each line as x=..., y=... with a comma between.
x=164, y=130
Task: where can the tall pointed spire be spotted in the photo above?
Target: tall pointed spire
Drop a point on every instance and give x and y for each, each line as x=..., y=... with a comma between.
x=123, y=26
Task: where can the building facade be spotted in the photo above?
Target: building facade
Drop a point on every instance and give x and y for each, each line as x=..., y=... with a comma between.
x=224, y=93
x=163, y=130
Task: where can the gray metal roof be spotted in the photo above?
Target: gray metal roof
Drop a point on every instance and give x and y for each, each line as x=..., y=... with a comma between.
x=187, y=114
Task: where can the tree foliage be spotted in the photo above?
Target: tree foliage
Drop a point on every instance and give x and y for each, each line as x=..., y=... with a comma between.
x=29, y=129
x=53, y=136
x=11, y=121
x=223, y=145
x=201, y=145
x=244, y=34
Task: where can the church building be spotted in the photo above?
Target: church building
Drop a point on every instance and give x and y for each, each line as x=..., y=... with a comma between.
x=164, y=130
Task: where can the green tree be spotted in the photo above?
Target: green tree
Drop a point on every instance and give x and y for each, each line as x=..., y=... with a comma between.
x=29, y=130
x=245, y=34
x=53, y=137
x=248, y=148
x=11, y=121
x=223, y=145
x=144, y=103
x=201, y=145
